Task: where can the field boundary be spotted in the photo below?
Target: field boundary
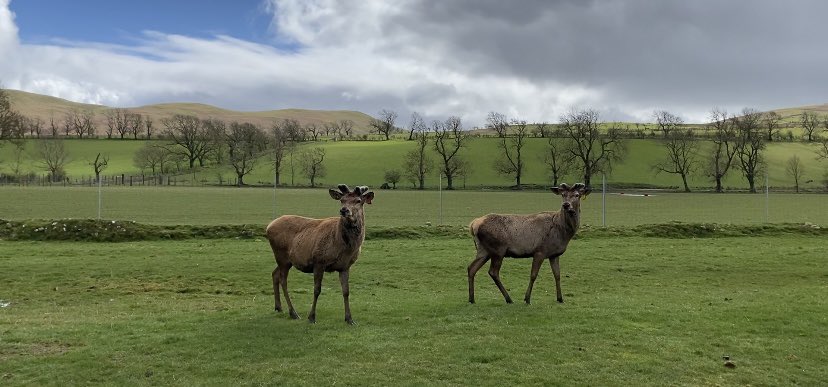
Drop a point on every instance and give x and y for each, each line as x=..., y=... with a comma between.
x=90, y=230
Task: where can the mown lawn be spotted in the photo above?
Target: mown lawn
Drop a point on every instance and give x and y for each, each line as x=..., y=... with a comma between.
x=185, y=205
x=638, y=311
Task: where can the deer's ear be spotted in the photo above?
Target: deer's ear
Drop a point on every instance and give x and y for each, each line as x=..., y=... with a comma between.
x=368, y=196
x=336, y=195
x=556, y=190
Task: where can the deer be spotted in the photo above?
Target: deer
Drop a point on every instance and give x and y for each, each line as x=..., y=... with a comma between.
x=540, y=236
x=319, y=245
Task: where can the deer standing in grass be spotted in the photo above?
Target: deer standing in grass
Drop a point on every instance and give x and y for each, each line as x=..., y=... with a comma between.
x=540, y=236
x=319, y=245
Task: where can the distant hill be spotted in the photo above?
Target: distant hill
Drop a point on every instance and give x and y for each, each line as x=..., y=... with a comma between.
x=43, y=106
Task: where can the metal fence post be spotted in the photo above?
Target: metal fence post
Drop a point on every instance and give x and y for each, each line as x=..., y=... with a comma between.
x=603, y=200
x=440, y=190
x=767, y=199
x=99, y=198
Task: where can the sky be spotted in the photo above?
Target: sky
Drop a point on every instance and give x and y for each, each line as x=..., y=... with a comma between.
x=532, y=60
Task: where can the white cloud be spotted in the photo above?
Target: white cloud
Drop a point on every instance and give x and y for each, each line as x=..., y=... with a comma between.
x=532, y=60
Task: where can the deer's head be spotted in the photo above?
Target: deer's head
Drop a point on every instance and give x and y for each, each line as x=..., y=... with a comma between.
x=571, y=196
x=352, y=201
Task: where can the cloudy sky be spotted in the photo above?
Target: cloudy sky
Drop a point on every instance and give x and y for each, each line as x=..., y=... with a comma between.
x=531, y=59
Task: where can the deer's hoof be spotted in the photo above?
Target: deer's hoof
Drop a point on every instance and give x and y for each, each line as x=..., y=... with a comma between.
x=293, y=315
x=350, y=321
x=278, y=309
x=560, y=301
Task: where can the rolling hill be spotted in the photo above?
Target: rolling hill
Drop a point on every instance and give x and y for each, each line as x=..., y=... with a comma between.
x=46, y=107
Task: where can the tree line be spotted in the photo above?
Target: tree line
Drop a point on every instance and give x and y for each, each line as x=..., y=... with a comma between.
x=579, y=143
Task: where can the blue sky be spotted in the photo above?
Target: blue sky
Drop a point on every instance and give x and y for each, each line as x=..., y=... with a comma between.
x=119, y=21
x=530, y=60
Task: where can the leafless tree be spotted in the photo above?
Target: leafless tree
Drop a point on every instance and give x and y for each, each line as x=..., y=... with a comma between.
x=281, y=145
x=384, y=123
x=245, y=143
x=750, y=144
x=796, y=170
x=80, y=122
x=148, y=126
x=116, y=121
x=216, y=146
x=53, y=158
x=293, y=130
x=771, y=121
x=313, y=130
x=512, y=139
x=311, y=163
x=188, y=137
x=724, y=138
x=449, y=138
x=810, y=122
x=417, y=163
x=152, y=157
x=32, y=125
x=681, y=155
x=10, y=119
x=54, y=129
x=18, y=156
x=594, y=150
x=667, y=121
x=557, y=159
x=542, y=129
x=417, y=125
x=135, y=124
x=822, y=152
x=346, y=129
x=99, y=164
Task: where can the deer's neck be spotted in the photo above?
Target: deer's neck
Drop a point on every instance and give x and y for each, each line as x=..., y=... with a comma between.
x=352, y=232
x=568, y=223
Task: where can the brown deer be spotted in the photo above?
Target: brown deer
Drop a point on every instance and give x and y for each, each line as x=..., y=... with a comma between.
x=319, y=245
x=541, y=236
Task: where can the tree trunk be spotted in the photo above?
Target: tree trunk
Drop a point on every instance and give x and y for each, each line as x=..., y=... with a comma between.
x=517, y=180
x=422, y=183
x=684, y=180
x=718, y=184
x=449, y=182
x=277, y=176
x=751, y=183
x=241, y=179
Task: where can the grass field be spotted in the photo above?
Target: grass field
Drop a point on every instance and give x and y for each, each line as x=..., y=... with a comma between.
x=210, y=206
x=638, y=311
x=367, y=161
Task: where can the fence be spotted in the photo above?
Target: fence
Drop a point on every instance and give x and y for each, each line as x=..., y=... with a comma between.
x=160, y=203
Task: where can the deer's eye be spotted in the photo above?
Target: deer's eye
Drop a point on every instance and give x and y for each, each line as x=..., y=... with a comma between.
x=359, y=201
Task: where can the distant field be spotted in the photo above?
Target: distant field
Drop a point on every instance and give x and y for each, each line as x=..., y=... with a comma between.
x=638, y=311
x=209, y=206
x=365, y=162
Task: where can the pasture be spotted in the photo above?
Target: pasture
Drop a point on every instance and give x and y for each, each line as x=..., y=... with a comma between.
x=638, y=311
x=212, y=206
x=367, y=161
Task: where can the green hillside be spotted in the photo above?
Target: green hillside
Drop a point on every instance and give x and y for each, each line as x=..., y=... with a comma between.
x=365, y=162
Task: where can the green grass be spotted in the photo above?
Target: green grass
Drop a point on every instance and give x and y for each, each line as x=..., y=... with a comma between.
x=216, y=206
x=365, y=162
x=638, y=311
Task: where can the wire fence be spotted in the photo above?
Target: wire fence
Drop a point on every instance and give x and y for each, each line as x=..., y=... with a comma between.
x=156, y=201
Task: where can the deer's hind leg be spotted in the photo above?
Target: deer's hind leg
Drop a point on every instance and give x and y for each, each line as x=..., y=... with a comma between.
x=494, y=272
x=474, y=266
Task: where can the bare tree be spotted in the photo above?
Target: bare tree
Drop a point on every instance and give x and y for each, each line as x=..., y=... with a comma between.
x=116, y=121
x=682, y=149
x=280, y=145
x=216, y=146
x=724, y=146
x=822, y=152
x=82, y=123
x=10, y=119
x=54, y=129
x=53, y=158
x=384, y=123
x=750, y=144
x=417, y=125
x=246, y=143
x=594, y=150
x=32, y=125
x=417, y=163
x=18, y=156
x=771, y=122
x=311, y=163
x=558, y=160
x=346, y=129
x=810, y=122
x=449, y=138
x=148, y=126
x=393, y=176
x=98, y=165
x=796, y=170
x=293, y=130
x=152, y=157
x=667, y=122
x=188, y=137
x=135, y=124
x=511, y=143
x=542, y=129
x=314, y=131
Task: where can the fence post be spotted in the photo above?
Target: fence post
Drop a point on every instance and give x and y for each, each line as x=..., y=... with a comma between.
x=440, y=190
x=767, y=200
x=603, y=200
x=99, y=198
